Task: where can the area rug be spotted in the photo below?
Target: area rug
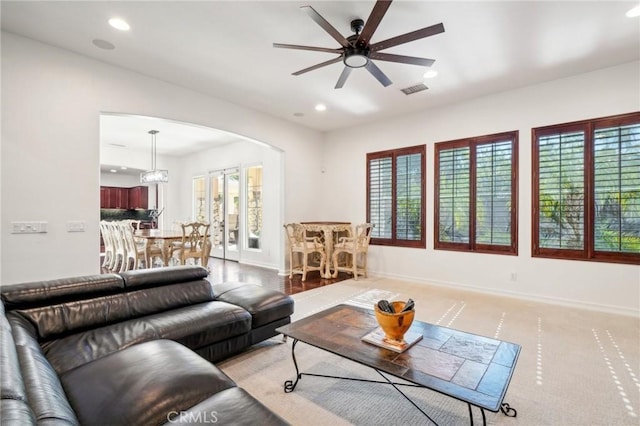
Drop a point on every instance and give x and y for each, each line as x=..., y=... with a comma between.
x=576, y=367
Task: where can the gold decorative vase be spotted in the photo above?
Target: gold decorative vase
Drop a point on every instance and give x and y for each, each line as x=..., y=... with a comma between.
x=395, y=325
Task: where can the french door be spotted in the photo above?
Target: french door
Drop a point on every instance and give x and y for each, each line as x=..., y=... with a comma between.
x=225, y=213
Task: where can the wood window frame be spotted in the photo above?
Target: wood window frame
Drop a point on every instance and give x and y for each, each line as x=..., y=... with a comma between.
x=588, y=253
x=472, y=246
x=394, y=153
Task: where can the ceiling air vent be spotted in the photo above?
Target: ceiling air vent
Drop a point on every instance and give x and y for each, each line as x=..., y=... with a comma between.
x=414, y=89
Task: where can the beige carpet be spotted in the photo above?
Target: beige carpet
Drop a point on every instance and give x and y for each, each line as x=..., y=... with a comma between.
x=576, y=367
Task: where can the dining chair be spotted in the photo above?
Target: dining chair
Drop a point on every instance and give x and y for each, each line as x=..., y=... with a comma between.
x=119, y=250
x=353, y=251
x=153, y=249
x=135, y=252
x=107, y=239
x=301, y=248
x=194, y=244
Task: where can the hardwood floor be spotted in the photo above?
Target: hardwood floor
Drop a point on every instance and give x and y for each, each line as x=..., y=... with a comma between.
x=222, y=270
x=226, y=270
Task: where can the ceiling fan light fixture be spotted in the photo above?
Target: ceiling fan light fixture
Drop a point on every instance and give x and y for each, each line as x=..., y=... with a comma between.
x=357, y=51
x=356, y=60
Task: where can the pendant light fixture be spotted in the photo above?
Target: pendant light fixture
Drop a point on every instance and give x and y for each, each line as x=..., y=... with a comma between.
x=153, y=175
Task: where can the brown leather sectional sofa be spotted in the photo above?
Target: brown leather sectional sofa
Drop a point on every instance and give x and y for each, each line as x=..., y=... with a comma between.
x=132, y=349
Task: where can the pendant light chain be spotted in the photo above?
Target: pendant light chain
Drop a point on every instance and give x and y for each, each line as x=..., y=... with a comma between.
x=153, y=134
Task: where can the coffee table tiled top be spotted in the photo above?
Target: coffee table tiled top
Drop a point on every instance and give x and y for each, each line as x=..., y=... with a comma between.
x=465, y=366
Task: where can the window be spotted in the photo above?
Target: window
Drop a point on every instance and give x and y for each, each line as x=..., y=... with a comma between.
x=254, y=206
x=586, y=190
x=476, y=194
x=395, y=196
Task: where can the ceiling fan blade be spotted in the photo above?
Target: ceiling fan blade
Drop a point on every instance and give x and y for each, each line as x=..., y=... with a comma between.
x=401, y=59
x=315, y=49
x=406, y=38
x=315, y=67
x=326, y=26
x=343, y=77
x=378, y=74
x=372, y=23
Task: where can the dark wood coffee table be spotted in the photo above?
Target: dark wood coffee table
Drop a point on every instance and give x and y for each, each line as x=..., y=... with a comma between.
x=470, y=368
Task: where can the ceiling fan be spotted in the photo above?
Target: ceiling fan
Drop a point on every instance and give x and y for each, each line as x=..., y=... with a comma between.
x=357, y=51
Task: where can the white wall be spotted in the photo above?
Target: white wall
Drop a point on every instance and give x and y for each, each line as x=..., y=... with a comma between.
x=119, y=180
x=606, y=92
x=52, y=100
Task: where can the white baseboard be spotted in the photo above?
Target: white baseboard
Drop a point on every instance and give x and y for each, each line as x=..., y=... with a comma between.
x=261, y=265
x=599, y=307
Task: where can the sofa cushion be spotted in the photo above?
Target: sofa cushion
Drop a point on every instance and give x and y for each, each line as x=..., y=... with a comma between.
x=203, y=324
x=81, y=348
x=264, y=305
x=16, y=412
x=142, y=385
x=45, y=293
x=68, y=317
x=156, y=277
x=233, y=406
x=44, y=391
x=159, y=299
x=11, y=383
x=194, y=326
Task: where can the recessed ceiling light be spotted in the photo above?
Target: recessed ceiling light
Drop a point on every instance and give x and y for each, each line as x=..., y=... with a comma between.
x=634, y=12
x=119, y=24
x=430, y=74
x=103, y=44
x=123, y=167
x=113, y=171
x=321, y=107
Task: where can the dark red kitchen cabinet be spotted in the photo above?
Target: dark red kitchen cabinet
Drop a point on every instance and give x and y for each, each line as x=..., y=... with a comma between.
x=139, y=197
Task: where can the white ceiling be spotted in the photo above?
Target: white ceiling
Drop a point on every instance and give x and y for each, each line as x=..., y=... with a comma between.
x=224, y=48
x=131, y=133
x=173, y=138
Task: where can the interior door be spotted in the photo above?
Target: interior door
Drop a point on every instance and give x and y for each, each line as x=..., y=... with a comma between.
x=225, y=213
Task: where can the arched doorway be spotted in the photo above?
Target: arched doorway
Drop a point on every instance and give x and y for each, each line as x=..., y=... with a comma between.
x=206, y=168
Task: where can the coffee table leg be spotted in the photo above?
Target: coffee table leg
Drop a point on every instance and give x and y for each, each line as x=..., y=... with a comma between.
x=507, y=410
x=484, y=419
x=290, y=385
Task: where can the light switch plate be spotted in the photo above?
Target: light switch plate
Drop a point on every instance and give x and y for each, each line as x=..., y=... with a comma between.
x=39, y=227
x=75, y=226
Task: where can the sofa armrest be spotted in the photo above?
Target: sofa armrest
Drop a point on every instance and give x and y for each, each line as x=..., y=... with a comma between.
x=265, y=306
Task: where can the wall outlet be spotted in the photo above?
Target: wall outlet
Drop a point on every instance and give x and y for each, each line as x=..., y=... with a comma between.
x=28, y=227
x=513, y=277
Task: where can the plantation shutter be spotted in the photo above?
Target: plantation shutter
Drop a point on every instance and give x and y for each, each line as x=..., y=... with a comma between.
x=454, y=193
x=381, y=196
x=494, y=193
x=409, y=197
x=617, y=189
x=561, y=190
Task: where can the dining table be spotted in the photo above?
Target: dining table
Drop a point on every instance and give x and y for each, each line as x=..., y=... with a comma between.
x=328, y=231
x=161, y=237
x=164, y=238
